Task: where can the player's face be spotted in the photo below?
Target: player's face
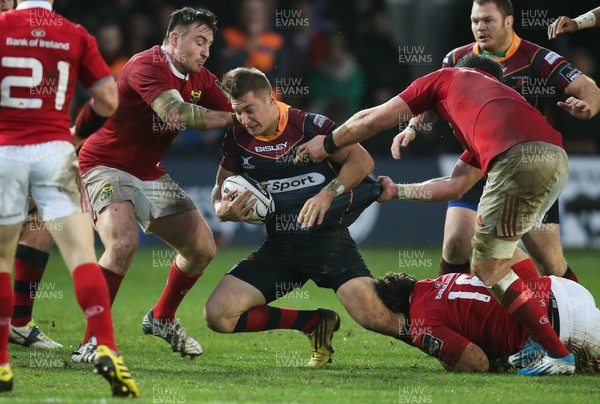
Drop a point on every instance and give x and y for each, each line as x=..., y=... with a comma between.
x=6, y=5
x=492, y=31
x=192, y=47
x=257, y=113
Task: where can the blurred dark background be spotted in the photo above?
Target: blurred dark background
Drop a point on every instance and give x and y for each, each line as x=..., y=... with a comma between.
x=336, y=57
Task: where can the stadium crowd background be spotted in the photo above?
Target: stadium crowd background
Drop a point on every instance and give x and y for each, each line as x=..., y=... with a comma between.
x=338, y=56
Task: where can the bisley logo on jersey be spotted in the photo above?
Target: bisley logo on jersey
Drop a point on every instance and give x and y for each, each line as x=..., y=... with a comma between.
x=295, y=183
x=270, y=148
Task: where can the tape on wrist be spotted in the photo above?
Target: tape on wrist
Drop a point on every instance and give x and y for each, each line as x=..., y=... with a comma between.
x=404, y=191
x=329, y=144
x=587, y=20
x=336, y=187
x=413, y=127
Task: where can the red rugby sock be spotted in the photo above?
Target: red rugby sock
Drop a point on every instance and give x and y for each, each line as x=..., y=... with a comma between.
x=113, y=282
x=526, y=270
x=92, y=295
x=569, y=274
x=178, y=284
x=517, y=300
x=6, y=304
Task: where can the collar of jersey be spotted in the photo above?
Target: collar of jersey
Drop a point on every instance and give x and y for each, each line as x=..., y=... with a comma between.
x=24, y=5
x=516, y=41
x=176, y=72
x=284, y=114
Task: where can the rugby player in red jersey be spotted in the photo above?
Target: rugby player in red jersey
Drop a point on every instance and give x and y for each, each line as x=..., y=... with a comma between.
x=455, y=319
x=162, y=90
x=507, y=141
x=31, y=258
x=540, y=76
x=338, y=189
x=565, y=25
x=43, y=56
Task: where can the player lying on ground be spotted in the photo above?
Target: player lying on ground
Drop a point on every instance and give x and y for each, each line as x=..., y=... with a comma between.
x=455, y=319
x=330, y=194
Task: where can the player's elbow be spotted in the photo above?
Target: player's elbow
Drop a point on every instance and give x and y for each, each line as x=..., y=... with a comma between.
x=105, y=98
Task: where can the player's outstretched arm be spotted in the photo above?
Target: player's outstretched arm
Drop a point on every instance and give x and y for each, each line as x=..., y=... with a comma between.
x=229, y=207
x=172, y=109
x=359, y=127
x=356, y=165
x=441, y=189
x=565, y=25
x=585, y=90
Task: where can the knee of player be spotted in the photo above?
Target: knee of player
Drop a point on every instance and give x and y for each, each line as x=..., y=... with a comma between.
x=123, y=247
x=456, y=249
x=202, y=253
x=216, y=320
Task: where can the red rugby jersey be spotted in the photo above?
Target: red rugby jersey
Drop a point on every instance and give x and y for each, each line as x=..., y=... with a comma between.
x=449, y=312
x=487, y=116
x=134, y=138
x=42, y=54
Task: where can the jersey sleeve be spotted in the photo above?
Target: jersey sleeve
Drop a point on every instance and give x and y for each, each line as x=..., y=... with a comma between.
x=443, y=343
x=470, y=159
x=93, y=67
x=213, y=96
x=148, y=80
x=420, y=95
x=315, y=125
x=552, y=66
x=231, y=158
x=449, y=59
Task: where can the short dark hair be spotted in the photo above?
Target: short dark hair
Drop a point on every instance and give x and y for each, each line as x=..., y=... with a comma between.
x=504, y=6
x=482, y=62
x=242, y=80
x=394, y=289
x=187, y=16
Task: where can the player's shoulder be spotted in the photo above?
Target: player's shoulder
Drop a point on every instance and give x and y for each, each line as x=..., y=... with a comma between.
x=205, y=78
x=310, y=122
x=456, y=54
x=534, y=52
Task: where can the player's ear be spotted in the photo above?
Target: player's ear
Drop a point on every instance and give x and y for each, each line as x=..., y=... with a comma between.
x=173, y=37
x=271, y=98
x=509, y=21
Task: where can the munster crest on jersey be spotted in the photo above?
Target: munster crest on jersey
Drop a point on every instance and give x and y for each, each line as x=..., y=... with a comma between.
x=195, y=96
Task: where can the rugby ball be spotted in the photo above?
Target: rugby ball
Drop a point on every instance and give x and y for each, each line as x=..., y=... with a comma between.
x=264, y=208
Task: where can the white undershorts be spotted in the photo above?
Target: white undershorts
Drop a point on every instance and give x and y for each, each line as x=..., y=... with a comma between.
x=579, y=322
x=48, y=172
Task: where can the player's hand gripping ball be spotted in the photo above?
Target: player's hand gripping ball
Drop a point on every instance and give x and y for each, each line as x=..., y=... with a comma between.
x=264, y=208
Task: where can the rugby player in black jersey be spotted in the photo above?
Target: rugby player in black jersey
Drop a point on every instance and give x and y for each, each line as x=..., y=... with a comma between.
x=308, y=237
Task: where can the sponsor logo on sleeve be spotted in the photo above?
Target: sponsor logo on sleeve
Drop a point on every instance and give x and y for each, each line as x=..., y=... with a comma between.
x=552, y=57
x=319, y=120
x=569, y=72
x=432, y=345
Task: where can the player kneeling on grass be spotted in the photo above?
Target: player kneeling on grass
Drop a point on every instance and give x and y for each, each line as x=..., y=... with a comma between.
x=455, y=319
x=330, y=195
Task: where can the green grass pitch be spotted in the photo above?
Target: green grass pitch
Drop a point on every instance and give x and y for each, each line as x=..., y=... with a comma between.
x=268, y=366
